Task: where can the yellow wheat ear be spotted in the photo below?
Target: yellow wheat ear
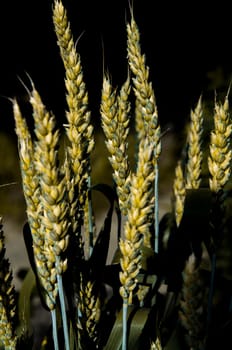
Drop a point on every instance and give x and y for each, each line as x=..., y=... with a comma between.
x=79, y=129
x=115, y=122
x=195, y=153
x=137, y=224
x=146, y=112
x=219, y=160
x=179, y=191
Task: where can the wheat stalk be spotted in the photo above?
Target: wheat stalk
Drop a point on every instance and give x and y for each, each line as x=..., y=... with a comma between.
x=114, y=116
x=8, y=337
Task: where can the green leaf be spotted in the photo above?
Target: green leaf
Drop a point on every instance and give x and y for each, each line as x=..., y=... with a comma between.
x=24, y=303
x=138, y=320
x=29, y=246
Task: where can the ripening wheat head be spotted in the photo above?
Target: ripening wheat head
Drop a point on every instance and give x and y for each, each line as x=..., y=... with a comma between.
x=219, y=161
x=137, y=224
x=115, y=123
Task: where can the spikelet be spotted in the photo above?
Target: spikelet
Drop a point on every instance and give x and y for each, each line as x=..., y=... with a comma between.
x=137, y=224
x=156, y=345
x=8, y=337
x=53, y=216
x=79, y=130
x=219, y=161
x=179, y=193
x=114, y=115
x=195, y=153
x=147, y=124
x=193, y=305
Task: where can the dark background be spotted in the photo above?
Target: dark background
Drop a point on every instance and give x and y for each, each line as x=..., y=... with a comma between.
x=187, y=47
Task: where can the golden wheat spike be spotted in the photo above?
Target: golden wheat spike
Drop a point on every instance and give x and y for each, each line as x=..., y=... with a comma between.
x=137, y=224
x=219, y=160
x=115, y=120
x=195, y=153
x=53, y=212
x=146, y=108
x=179, y=190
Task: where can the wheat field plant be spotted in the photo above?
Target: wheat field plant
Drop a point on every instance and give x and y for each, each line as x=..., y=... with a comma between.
x=168, y=284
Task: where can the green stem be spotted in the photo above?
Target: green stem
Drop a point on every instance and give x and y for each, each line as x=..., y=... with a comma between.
x=156, y=190
x=54, y=330
x=90, y=209
x=63, y=312
x=124, y=324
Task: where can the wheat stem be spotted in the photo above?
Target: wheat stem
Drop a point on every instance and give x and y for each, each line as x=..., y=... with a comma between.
x=54, y=330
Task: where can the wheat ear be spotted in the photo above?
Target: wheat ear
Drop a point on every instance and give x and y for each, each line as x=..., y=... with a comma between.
x=79, y=130
x=146, y=109
x=195, y=153
x=90, y=308
x=193, y=305
x=145, y=97
x=137, y=226
x=54, y=206
x=219, y=161
x=179, y=191
x=115, y=123
x=32, y=193
x=8, y=336
x=137, y=223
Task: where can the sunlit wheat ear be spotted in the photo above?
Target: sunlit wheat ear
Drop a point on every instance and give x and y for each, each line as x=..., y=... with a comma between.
x=32, y=193
x=90, y=308
x=146, y=109
x=219, y=160
x=78, y=129
x=193, y=305
x=195, y=153
x=53, y=215
x=138, y=223
x=146, y=113
x=30, y=179
x=7, y=299
x=179, y=193
x=115, y=123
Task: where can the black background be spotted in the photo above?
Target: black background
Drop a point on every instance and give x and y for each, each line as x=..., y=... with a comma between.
x=187, y=46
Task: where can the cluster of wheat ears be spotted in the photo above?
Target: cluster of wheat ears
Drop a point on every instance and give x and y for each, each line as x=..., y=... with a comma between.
x=170, y=281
